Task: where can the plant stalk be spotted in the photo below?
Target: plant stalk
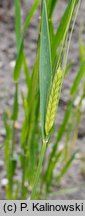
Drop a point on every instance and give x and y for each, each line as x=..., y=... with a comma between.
x=37, y=175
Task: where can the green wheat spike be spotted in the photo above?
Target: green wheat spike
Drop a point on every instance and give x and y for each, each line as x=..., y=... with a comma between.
x=53, y=100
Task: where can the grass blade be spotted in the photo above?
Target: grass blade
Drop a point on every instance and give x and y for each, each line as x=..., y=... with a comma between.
x=78, y=78
x=37, y=175
x=19, y=63
x=66, y=167
x=26, y=71
x=20, y=58
x=61, y=131
x=51, y=6
x=64, y=24
x=15, y=106
x=30, y=15
x=49, y=174
x=45, y=64
x=7, y=140
x=18, y=22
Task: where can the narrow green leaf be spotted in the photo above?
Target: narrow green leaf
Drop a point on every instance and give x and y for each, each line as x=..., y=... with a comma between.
x=66, y=167
x=68, y=68
x=61, y=131
x=20, y=59
x=7, y=140
x=51, y=30
x=18, y=38
x=81, y=43
x=19, y=63
x=30, y=15
x=45, y=64
x=18, y=22
x=39, y=168
x=26, y=71
x=50, y=7
x=65, y=121
x=15, y=107
x=24, y=101
x=49, y=174
x=19, y=45
x=78, y=78
x=82, y=50
x=12, y=168
x=64, y=24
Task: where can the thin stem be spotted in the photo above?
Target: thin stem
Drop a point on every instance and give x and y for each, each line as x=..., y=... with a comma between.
x=13, y=138
x=24, y=166
x=71, y=34
x=37, y=175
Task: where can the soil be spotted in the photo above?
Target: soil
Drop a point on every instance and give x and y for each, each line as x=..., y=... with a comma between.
x=74, y=178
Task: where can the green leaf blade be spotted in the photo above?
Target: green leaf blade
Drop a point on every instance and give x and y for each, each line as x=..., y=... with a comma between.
x=18, y=22
x=20, y=57
x=66, y=167
x=64, y=24
x=15, y=106
x=51, y=6
x=30, y=15
x=78, y=78
x=19, y=62
x=45, y=64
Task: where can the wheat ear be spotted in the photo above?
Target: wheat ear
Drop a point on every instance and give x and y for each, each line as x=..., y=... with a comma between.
x=53, y=100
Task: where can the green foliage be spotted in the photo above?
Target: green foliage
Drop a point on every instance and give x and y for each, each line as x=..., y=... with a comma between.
x=45, y=65
x=15, y=107
x=18, y=22
x=50, y=7
x=78, y=78
x=64, y=24
x=20, y=58
x=33, y=142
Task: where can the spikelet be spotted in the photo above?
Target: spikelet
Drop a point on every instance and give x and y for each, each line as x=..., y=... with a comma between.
x=53, y=100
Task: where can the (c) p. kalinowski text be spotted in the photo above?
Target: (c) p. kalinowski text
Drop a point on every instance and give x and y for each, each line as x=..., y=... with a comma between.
x=48, y=207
